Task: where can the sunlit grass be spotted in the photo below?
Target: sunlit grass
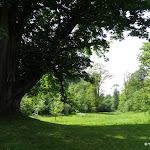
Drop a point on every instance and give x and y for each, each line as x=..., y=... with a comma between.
x=90, y=119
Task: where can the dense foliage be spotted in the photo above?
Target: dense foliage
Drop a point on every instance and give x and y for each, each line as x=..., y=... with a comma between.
x=136, y=93
x=81, y=95
x=58, y=34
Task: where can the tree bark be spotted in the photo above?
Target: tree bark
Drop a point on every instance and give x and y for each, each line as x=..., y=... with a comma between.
x=11, y=90
x=7, y=59
x=62, y=92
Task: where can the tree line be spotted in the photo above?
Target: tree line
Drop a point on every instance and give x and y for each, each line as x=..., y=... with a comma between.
x=87, y=95
x=80, y=95
x=136, y=93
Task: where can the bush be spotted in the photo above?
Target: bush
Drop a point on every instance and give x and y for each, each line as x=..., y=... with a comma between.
x=27, y=105
x=126, y=106
x=66, y=109
x=93, y=109
x=105, y=106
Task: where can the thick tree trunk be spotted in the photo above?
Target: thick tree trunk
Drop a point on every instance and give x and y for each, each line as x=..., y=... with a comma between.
x=7, y=61
x=12, y=95
x=11, y=90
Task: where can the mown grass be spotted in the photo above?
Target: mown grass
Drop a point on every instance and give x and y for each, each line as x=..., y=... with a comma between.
x=103, y=118
x=103, y=131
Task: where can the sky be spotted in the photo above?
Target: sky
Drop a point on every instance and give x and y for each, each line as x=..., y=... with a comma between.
x=122, y=61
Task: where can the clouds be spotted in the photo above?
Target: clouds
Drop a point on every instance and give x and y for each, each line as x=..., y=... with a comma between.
x=122, y=59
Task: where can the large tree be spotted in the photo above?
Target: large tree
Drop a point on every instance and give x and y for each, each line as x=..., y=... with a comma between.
x=35, y=35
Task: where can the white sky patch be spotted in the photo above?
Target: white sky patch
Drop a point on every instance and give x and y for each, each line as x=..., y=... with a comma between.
x=122, y=60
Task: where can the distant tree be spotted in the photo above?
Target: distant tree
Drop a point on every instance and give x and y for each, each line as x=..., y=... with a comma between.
x=27, y=106
x=115, y=101
x=106, y=105
x=135, y=82
x=80, y=95
x=100, y=75
x=144, y=56
x=66, y=108
x=130, y=99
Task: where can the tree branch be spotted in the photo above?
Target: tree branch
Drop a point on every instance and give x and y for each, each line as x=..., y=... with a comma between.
x=22, y=87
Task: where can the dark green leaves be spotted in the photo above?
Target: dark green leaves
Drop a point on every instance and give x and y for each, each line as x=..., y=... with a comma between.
x=64, y=33
x=3, y=34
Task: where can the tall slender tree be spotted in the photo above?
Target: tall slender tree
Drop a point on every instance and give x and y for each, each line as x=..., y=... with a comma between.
x=100, y=75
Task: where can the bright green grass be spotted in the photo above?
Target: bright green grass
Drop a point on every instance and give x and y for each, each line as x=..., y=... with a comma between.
x=90, y=119
x=103, y=131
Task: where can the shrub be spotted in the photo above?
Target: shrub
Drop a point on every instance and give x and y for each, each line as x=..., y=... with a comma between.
x=27, y=105
x=66, y=109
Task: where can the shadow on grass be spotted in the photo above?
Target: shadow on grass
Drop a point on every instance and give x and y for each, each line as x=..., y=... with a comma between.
x=110, y=113
x=25, y=133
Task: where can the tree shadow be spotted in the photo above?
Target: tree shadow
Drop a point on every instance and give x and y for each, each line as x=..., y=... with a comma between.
x=30, y=134
x=110, y=113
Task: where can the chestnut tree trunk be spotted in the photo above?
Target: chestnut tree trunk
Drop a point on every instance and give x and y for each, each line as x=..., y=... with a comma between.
x=7, y=62
x=11, y=89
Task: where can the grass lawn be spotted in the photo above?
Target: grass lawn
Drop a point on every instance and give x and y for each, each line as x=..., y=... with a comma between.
x=102, y=131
